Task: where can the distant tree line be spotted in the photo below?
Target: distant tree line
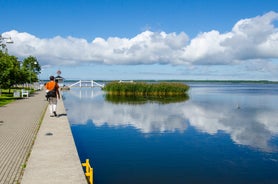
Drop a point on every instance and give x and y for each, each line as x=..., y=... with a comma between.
x=13, y=71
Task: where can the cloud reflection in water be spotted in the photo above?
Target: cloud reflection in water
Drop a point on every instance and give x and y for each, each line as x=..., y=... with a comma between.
x=252, y=127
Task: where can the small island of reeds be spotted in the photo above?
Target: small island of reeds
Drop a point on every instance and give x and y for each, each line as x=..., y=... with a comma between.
x=146, y=89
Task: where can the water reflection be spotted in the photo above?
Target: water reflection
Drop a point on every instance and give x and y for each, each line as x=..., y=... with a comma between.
x=251, y=125
x=245, y=128
x=142, y=100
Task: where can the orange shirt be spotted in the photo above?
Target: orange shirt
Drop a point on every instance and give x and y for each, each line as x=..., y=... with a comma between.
x=51, y=85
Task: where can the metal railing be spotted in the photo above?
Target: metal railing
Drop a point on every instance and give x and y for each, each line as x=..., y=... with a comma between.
x=90, y=83
x=89, y=172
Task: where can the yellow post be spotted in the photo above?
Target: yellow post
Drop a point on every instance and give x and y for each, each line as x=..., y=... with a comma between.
x=88, y=171
x=87, y=165
x=91, y=176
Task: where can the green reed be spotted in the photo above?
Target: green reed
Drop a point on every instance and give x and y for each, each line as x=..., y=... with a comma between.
x=146, y=89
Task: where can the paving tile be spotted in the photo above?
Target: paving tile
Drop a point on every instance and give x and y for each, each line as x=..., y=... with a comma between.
x=18, y=128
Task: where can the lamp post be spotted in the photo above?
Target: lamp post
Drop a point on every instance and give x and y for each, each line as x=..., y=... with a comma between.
x=31, y=69
x=3, y=42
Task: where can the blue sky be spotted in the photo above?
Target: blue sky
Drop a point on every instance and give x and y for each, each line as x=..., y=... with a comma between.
x=140, y=39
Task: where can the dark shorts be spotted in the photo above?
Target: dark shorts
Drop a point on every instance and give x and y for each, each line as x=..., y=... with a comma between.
x=52, y=100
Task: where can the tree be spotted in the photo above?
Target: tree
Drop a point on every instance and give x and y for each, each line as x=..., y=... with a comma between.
x=10, y=70
x=32, y=68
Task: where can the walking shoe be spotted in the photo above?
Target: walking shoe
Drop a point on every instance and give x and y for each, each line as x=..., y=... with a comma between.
x=54, y=113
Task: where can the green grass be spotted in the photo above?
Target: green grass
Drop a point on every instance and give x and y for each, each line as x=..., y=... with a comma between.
x=146, y=89
x=6, y=96
x=4, y=101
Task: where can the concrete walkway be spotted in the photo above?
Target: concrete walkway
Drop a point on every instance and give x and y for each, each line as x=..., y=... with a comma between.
x=53, y=159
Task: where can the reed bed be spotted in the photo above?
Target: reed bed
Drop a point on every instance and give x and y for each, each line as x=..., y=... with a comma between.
x=146, y=89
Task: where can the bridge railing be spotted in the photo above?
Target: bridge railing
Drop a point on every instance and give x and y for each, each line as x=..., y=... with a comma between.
x=90, y=83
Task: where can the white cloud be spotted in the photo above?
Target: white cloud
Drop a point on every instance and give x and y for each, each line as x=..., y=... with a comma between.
x=250, y=39
x=206, y=48
x=254, y=38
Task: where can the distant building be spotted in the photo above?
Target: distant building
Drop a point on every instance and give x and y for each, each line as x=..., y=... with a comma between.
x=60, y=80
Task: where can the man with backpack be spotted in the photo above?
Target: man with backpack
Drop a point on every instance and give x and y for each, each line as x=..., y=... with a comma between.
x=52, y=94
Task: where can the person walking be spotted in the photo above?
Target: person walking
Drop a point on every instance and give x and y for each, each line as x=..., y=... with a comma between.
x=53, y=93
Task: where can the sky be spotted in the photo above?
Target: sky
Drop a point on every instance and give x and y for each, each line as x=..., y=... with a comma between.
x=145, y=39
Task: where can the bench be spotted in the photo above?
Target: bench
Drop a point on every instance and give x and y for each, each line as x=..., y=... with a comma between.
x=24, y=93
x=17, y=94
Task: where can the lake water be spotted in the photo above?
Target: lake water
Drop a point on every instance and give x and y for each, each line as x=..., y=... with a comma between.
x=224, y=133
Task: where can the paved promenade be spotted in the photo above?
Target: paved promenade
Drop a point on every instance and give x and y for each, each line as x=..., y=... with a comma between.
x=53, y=159
x=19, y=123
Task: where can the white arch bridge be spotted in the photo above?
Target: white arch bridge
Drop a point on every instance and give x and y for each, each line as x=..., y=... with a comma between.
x=86, y=83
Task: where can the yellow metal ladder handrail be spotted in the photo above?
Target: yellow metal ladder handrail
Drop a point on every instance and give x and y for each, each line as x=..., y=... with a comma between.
x=89, y=173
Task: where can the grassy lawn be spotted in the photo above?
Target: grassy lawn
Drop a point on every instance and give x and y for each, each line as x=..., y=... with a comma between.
x=4, y=101
x=6, y=96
